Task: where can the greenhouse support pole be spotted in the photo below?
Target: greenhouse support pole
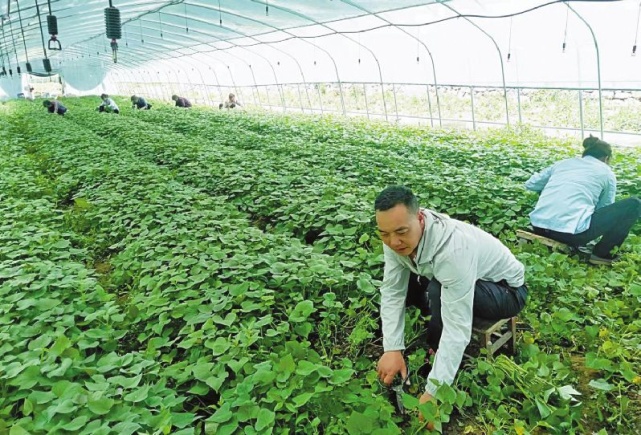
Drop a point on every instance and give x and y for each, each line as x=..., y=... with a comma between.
x=320, y=99
x=203, y=86
x=340, y=84
x=217, y=84
x=518, y=101
x=366, y=104
x=255, y=87
x=598, y=68
x=395, y=101
x=300, y=69
x=429, y=105
x=498, y=49
x=429, y=53
x=302, y=109
x=581, y=112
x=473, y=115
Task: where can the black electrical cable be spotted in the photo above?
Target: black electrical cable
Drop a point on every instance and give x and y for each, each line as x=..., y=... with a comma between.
x=636, y=33
x=509, y=42
x=14, y=43
x=429, y=23
x=42, y=35
x=24, y=41
x=565, y=33
x=392, y=24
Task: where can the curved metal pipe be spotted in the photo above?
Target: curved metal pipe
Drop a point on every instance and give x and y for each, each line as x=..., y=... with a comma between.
x=598, y=66
x=438, y=100
x=507, y=110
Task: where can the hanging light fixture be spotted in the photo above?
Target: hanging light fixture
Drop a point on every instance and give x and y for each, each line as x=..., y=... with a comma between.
x=114, y=29
x=52, y=27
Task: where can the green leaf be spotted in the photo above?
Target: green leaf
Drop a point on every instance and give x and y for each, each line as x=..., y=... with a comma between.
x=138, y=395
x=601, y=384
x=61, y=344
x=305, y=368
x=222, y=415
x=182, y=419
x=218, y=346
x=302, y=399
x=100, y=406
x=358, y=423
x=76, y=423
x=286, y=364
x=203, y=370
x=265, y=419
x=302, y=310
x=341, y=376
x=126, y=428
x=18, y=430
x=27, y=407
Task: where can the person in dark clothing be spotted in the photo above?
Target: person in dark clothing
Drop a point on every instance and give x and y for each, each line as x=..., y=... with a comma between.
x=139, y=103
x=181, y=101
x=54, y=107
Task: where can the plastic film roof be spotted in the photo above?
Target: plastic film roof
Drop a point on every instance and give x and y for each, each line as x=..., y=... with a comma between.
x=490, y=42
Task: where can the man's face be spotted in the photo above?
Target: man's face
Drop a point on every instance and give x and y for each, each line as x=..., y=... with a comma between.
x=399, y=229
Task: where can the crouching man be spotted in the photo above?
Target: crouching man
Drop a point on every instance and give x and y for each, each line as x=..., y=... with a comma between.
x=461, y=271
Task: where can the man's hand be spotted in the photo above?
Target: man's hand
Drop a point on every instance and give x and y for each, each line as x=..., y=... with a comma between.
x=426, y=397
x=390, y=364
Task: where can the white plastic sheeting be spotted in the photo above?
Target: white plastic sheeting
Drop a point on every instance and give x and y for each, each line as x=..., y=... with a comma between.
x=250, y=42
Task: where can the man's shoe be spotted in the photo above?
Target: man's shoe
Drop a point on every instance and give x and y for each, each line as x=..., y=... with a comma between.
x=601, y=261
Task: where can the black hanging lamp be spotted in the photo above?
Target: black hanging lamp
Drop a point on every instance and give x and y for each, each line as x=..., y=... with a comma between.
x=52, y=27
x=114, y=29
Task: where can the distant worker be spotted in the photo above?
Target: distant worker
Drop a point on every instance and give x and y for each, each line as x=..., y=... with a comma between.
x=139, y=103
x=577, y=204
x=181, y=101
x=54, y=107
x=108, y=105
x=230, y=103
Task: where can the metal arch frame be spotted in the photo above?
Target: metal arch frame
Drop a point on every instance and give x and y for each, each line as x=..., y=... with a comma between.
x=598, y=66
x=210, y=44
x=349, y=39
x=167, y=57
x=376, y=14
x=300, y=69
x=178, y=2
x=244, y=48
x=507, y=110
x=226, y=11
x=380, y=73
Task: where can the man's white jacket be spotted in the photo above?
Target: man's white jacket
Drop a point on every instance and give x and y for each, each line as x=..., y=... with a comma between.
x=456, y=254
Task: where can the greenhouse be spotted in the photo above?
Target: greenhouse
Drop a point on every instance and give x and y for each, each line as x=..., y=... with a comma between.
x=320, y=217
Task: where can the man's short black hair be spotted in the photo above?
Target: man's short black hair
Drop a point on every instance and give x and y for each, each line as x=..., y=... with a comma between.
x=392, y=196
